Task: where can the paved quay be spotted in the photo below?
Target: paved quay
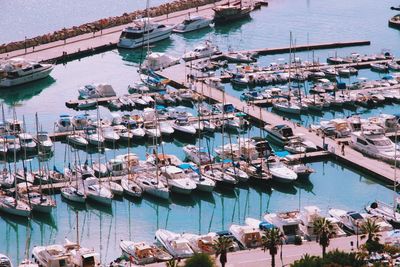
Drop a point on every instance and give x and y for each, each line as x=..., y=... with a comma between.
x=290, y=253
x=378, y=169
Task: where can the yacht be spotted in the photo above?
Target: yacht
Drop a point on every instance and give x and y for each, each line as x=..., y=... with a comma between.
x=192, y=24
x=174, y=243
x=6, y=179
x=26, y=142
x=130, y=187
x=350, y=220
x=117, y=189
x=158, y=61
x=281, y=133
x=227, y=13
x=386, y=211
x=97, y=192
x=183, y=126
x=96, y=91
x=52, y=256
x=144, y=32
x=13, y=206
x=177, y=180
x=64, y=123
x=39, y=202
x=77, y=140
x=287, y=107
x=43, y=141
x=281, y=173
x=72, y=194
x=94, y=137
x=12, y=143
x=81, y=256
x=247, y=236
x=237, y=173
x=372, y=142
x=287, y=222
x=197, y=155
x=152, y=185
x=201, y=243
x=18, y=71
x=143, y=253
x=165, y=128
x=203, y=183
x=204, y=50
x=219, y=177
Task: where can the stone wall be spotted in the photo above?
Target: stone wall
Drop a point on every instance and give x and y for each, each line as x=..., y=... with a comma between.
x=177, y=5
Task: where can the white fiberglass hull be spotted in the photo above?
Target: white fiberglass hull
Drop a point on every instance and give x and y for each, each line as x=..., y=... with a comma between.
x=26, y=79
x=153, y=37
x=72, y=195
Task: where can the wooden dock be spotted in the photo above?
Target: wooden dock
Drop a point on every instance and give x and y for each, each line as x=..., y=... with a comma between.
x=351, y=157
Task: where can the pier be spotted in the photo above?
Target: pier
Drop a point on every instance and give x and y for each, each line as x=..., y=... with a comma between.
x=351, y=157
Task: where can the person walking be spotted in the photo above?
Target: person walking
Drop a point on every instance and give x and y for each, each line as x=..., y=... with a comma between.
x=342, y=149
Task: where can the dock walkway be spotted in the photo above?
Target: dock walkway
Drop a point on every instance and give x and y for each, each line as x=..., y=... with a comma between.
x=351, y=157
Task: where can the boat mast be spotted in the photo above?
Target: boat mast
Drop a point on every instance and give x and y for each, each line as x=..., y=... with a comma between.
x=395, y=172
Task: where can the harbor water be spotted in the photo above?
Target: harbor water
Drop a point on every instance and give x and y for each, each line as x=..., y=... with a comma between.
x=310, y=21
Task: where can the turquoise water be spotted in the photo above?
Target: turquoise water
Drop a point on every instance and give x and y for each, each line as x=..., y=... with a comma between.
x=310, y=21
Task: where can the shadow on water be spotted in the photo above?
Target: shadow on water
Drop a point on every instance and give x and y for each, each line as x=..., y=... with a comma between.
x=284, y=188
x=232, y=26
x=165, y=203
x=226, y=192
x=137, y=55
x=136, y=200
x=75, y=206
x=14, y=220
x=183, y=200
x=305, y=184
x=204, y=196
x=47, y=219
x=92, y=205
x=26, y=91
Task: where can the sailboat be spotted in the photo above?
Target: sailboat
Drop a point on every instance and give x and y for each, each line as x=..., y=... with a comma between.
x=14, y=206
x=96, y=192
x=130, y=187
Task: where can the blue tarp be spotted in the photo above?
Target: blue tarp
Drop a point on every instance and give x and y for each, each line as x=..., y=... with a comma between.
x=282, y=154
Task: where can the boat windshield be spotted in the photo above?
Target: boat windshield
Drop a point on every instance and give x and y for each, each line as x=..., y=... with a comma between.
x=131, y=35
x=381, y=142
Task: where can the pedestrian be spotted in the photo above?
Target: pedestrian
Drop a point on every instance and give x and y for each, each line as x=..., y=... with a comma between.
x=323, y=141
x=343, y=149
x=197, y=8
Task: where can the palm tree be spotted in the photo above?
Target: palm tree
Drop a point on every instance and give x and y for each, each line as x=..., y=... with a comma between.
x=222, y=246
x=172, y=263
x=324, y=231
x=271, y=241
x=370, y=231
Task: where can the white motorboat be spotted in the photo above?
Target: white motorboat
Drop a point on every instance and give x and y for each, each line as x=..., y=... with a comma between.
x=131, y=188
x=18, y=71
x=100, y=169
x=13, y=206
x=77, y=140
x=248, y=236
x=52, y=256
x=28, y=263
x=64, y=124
x=371, y=141
x=177, y=180
x=201, y=243
x=197, y=155
x=158, y=61
x=97, y=192
x=281, y=173
x=72, y=194
x=39, y=202
x=81, y=256
x=5, y=261
x=115, y=188
x=205, y=50
x=183, y=126
x=144, y=31
x=153, y=186
x=177, y=246
x=43, y=141
x=192, y=24
x=27, y=143
x=237, y=173
x=96, y=91
x=351, y=220
x=384, y=226
x=143, y=253
x=280, y=133
x=152, y=130
x=220, y=177
x=110, y=135
x=287, y=222
x=117, y=167
x=94, y=137
x=165, y=128
x=386, y=211
x=203, y=183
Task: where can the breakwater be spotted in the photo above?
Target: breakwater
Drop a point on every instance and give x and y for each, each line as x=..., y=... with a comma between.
x=99, y=25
